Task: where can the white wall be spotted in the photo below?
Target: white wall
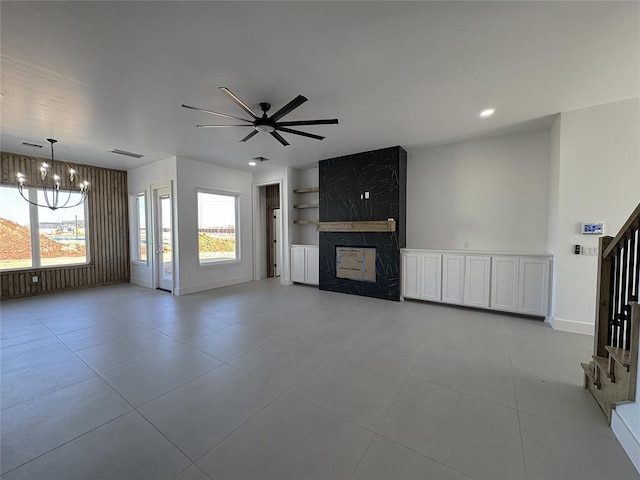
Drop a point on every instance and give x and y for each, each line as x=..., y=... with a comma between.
x=191, y=175
x=554, y=206
x=140, y=180
x=599, y=180
x=488, y=194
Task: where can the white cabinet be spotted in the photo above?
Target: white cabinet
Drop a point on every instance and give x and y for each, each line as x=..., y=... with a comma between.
x=305, y=264
x=411, y=275
x=533, y=289
x=477, y=281
x=520, y=284
x=312, y=265
x=430, y=276
x=496, y=281
x=504, y=283
x=452, y=278
x=421, y=275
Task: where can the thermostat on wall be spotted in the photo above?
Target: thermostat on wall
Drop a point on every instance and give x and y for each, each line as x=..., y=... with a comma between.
x=593, y=228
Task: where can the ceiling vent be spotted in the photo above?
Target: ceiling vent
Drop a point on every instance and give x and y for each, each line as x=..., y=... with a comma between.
x=127, y=154
x=260, y=159
x=27, y=144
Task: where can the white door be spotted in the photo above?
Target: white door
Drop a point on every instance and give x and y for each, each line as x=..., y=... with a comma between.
x=297, y=264
x=410, y=269
x=312, y=265
x=431, y=278
x=277, y=247
x=504, y=283
x=452, y=278
x=533, y=289
x=163, y=239
x=477, y=281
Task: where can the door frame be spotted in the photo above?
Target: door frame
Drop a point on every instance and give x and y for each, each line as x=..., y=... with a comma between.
x=156, y=269
x=258, y=239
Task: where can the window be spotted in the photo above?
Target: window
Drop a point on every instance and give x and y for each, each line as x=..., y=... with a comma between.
x=218, y=239
x=32, y=237
x=140, y=254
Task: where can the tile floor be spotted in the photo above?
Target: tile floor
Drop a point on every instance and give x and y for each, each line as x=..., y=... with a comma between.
x=264, y=381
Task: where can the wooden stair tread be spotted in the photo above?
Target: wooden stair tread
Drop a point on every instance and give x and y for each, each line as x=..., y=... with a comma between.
x=620, y=355
x=603, y=365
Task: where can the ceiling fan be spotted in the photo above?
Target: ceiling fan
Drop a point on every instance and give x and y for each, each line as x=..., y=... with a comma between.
x=271, y=124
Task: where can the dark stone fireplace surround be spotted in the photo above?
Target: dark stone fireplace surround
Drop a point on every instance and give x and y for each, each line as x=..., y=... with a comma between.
x=343, y=183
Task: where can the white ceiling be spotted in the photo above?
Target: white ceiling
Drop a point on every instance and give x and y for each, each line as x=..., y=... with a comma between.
x=104, y=75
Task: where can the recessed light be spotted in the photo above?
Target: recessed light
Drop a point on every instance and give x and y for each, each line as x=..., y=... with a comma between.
x=487, y=113
x=252, y=163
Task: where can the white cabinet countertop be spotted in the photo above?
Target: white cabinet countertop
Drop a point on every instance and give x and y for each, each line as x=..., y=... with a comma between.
x=490, y=253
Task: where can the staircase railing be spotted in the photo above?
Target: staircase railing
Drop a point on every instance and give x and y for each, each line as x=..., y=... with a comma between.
x=612, y=374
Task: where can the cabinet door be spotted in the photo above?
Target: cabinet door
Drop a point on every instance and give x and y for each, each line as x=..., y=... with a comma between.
x=504, y=283
x=431, y=277
x=312, y=268
x=410, y=272
x=533, y=291
x=297, y=264
x=452, y=278
x=477, y=281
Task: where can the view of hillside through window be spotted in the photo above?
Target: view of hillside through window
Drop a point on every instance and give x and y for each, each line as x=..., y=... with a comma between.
x=60, y=238
x=217, y=232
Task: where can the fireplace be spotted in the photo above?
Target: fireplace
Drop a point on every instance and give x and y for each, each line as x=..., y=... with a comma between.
x=370, y=188
x=356, y=263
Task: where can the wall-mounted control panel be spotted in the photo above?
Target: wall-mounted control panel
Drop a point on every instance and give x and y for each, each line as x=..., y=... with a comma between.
x=593, y=228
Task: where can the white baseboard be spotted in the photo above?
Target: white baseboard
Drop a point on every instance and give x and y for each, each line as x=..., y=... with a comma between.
x=629, y=440
x=141, y=282
x=571, y=325
x=210, y=286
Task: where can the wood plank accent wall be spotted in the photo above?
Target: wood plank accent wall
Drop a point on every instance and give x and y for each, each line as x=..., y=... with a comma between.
x=273, y=201
x=108, y=231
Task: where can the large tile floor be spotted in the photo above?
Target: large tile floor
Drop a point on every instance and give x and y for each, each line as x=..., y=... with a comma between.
x=264, y=381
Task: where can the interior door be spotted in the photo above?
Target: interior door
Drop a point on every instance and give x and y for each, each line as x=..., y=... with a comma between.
x=163, y=240
x=277, y=247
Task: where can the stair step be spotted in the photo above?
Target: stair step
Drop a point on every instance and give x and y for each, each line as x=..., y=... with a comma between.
x=603, y=365
x=620, y=355
x=588, y=371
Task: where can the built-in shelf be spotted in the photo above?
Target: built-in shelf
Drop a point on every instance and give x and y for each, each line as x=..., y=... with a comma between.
x=307, y=221
x=363, y=226
x=307, y=190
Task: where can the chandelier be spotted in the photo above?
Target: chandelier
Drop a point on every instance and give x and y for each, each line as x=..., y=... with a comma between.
x=51, y=185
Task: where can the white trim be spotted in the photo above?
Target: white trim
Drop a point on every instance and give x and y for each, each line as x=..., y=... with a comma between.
x=210, y=286
x=257, y=259
x=570, y=325
x=626, y=437
x=141, y=281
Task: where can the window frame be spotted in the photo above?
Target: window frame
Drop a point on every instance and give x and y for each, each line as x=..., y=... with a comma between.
x=237, y=196
x=137, y=260
x=34, y=219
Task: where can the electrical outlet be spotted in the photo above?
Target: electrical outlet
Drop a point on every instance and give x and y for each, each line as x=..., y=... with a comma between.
x=34, y=279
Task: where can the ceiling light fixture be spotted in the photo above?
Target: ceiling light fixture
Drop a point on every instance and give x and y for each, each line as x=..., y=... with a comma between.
x=487, y=113
x=51, y=192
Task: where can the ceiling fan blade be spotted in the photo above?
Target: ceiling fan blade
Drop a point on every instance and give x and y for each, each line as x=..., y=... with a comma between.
x=216, y=113
x=331, y=121
x=249, y=136
x=298, y=132
x=292, y=105
x=222, y=126
x=278, y=137
x=242, y=105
